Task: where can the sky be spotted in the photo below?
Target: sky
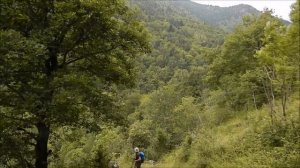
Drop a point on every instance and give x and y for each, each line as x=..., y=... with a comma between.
x=281, y=7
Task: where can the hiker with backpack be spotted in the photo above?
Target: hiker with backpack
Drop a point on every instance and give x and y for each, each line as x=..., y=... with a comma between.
x=139, y=158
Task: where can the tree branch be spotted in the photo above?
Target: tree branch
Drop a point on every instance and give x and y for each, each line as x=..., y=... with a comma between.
x=76, y=43
x=74, y=60
x=16, y=91
x=32, y=135
x=14, y=118
x=80, y=58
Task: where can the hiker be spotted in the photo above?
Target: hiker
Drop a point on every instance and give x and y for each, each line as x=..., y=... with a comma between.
x=139, y=158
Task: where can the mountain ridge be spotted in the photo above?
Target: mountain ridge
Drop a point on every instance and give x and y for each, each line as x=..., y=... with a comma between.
x=223, y=17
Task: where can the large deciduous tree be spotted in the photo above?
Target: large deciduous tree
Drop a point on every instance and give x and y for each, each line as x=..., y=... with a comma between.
x=58, y=60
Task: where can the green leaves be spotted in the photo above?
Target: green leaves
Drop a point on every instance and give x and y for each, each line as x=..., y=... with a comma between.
x=62, y=62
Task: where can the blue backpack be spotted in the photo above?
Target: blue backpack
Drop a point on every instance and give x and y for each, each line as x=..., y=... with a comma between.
x=142, y=155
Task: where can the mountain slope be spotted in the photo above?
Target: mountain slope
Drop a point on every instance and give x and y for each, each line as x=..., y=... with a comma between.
x=177, y=41
x=224, y=17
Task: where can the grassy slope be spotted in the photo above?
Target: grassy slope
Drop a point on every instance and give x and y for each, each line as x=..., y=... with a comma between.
x=244, y=141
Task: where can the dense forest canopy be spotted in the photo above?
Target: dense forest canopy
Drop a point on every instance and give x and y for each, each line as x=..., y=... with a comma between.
x=60, y=61
x=84, y=82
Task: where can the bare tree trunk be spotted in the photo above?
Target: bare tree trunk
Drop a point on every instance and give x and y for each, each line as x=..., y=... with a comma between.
x=268, y=88
x=284, y=98
x=254, y=100
x=41, y=148
x=269, y=102
x=271, y=78
x=297, y=86
x=273, y=97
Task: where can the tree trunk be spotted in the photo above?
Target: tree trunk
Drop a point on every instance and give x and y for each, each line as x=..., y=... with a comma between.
x=41, y=149
x=270, y=91
x=284, y=98
x=254, y=100
x=268, y=96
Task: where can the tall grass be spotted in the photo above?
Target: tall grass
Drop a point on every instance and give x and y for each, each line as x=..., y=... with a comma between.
x=248, y=140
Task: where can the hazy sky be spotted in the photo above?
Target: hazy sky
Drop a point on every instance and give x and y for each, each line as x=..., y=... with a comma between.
x=281, y=7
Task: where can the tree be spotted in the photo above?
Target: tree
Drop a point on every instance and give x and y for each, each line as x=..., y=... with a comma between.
x=272, y=59
x=278, y=60
x=236, y=59
x=293, y=35
x=59, y=60
x=293, y=42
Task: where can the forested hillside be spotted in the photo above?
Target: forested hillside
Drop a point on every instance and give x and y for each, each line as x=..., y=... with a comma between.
x=84, y=82
x=235, y=102
x=223, y=17
x=178, y=41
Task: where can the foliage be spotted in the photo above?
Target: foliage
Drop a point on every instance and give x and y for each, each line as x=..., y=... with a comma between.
x=250, y=102
x=203, y=97
x=225, y=18
x=79, y=148
x=60, y=62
